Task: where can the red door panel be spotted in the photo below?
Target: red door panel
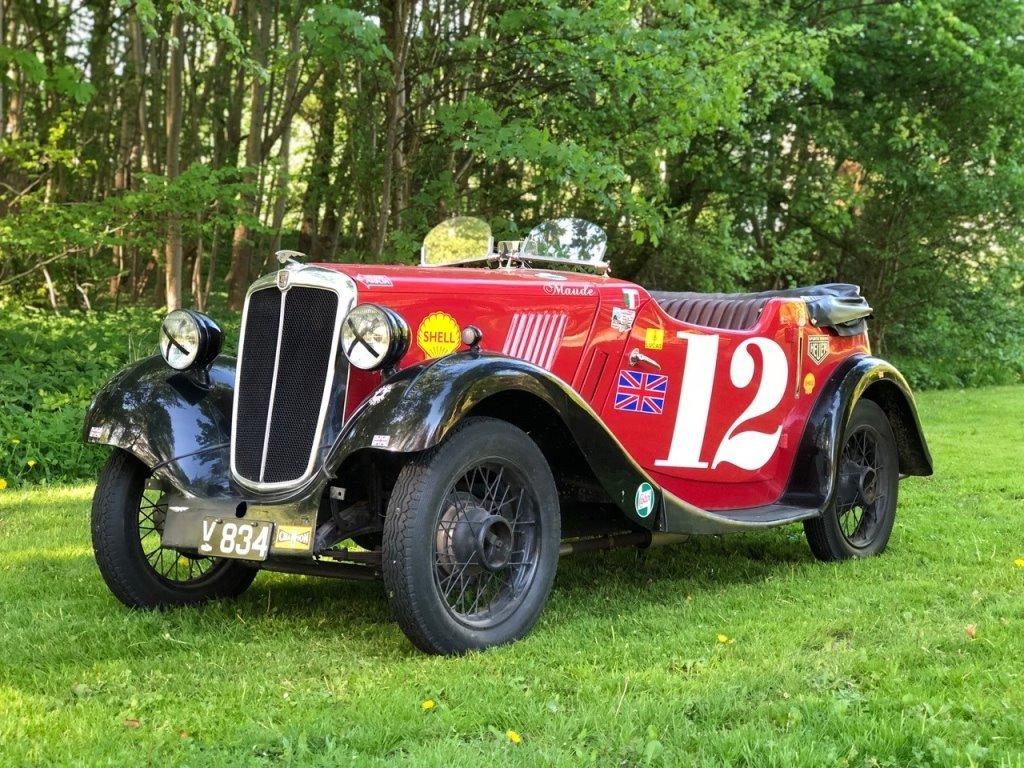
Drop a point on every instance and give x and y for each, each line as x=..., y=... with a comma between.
x=718, y=423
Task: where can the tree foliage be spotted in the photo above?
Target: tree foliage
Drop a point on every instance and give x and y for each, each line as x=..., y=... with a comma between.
x=723, y=145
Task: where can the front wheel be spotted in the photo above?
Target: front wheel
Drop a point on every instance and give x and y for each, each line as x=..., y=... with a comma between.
x=471, y=539
x=860, y=518
x=127, y=522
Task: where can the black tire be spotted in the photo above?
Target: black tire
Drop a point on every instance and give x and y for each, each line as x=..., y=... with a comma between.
x=119, y=525
x=859, y=520
x=443, y=531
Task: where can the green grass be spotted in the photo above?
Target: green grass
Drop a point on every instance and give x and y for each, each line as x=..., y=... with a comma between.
x=864, y=663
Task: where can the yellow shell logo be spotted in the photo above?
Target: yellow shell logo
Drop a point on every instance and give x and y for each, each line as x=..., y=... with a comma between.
x=438, y=334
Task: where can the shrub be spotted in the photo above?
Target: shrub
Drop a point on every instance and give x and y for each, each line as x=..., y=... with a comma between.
x=52, y=367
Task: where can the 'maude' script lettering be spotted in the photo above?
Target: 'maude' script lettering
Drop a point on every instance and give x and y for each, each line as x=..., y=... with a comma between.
x=569, y=290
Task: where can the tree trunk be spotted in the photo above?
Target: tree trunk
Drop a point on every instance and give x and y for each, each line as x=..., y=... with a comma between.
x=197, y=269
x=241, y=247
x=284, y=153
x=400, y=16
x=128, y=154
x=3, y=75
x=223, y=99
x=320, y=168
x=172, y=255
x=10, y=120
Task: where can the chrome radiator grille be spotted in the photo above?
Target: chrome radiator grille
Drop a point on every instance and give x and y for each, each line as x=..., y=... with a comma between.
x=286, y=372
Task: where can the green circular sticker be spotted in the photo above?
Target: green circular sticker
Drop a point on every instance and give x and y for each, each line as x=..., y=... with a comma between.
x=644, y=500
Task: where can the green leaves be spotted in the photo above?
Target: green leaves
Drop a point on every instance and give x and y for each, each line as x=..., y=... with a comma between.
x=63, y=79
x=722, y=144
x=25, y=61
x=342, y=35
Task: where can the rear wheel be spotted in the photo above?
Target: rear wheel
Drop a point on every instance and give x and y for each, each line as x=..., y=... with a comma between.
x=471, y=539
x=859, y=520
x=127, y=522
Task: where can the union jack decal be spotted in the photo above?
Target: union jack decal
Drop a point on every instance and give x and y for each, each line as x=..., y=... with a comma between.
x=641, y=392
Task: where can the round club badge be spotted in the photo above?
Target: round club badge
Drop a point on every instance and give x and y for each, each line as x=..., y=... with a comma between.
x=438, y=335
x=644, y=500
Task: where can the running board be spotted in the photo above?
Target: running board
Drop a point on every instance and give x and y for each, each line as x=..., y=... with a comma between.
x=681, y=517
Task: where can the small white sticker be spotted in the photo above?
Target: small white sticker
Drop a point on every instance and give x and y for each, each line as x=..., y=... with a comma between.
x=622, y=319
x=644, y=500
x=375, y=281
x=381, y=441
x=292, y=536
x=380, y=394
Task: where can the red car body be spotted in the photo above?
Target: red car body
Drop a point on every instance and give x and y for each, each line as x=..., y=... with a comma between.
x=695, y=430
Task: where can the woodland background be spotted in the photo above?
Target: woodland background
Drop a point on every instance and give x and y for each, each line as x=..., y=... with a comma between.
x=155, y=154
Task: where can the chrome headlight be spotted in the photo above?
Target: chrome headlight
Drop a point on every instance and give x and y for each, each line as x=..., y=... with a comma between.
x=374, y=336
x=189, y=339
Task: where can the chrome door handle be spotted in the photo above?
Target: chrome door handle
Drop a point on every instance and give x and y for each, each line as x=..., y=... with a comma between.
x=636, y=356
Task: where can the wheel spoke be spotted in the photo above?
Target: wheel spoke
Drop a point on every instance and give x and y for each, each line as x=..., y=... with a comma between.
x=457, y=578
x=514, y=522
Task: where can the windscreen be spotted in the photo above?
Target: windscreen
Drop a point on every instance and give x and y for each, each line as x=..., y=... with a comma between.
x=575, y=240
x=459, y=240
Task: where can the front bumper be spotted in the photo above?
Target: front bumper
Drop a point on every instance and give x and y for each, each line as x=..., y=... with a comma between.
x=294, y=522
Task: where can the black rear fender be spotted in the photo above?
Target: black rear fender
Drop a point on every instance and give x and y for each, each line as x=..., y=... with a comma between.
x=812, y=480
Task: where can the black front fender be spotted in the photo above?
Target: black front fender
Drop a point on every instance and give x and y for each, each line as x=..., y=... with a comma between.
x=414, y=411
x=177, y=423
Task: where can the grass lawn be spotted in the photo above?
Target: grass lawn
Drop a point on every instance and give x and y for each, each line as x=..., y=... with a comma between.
x=864, y=663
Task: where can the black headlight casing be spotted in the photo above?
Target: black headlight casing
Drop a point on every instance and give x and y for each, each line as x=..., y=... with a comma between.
x=210, y=340
x=392, y=322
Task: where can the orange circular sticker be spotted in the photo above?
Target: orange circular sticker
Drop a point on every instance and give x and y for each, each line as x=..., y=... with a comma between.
x=438, y=335
x=809, y=383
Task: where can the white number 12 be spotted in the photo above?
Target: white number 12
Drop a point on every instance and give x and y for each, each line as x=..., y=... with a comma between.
x=748, y=449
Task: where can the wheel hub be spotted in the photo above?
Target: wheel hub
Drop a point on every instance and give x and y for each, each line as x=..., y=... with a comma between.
x=868, y=485
x=849, y=483
x=494, y=543
x=457, y=535
x=472, y=540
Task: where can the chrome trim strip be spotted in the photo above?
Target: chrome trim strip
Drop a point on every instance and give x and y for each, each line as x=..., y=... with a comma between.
x=273, y=384
x=310, y=277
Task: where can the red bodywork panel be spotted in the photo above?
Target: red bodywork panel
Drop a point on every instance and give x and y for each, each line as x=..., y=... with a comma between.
x=717, y=424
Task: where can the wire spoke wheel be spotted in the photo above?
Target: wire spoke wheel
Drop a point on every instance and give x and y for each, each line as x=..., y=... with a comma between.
x=860, y=516
x=486, y=543
x=169, y=565
x=860, y=487
x=128, y=519
x=471, y=537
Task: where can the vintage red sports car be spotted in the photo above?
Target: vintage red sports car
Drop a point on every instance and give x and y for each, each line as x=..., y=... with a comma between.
x=452, y=428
